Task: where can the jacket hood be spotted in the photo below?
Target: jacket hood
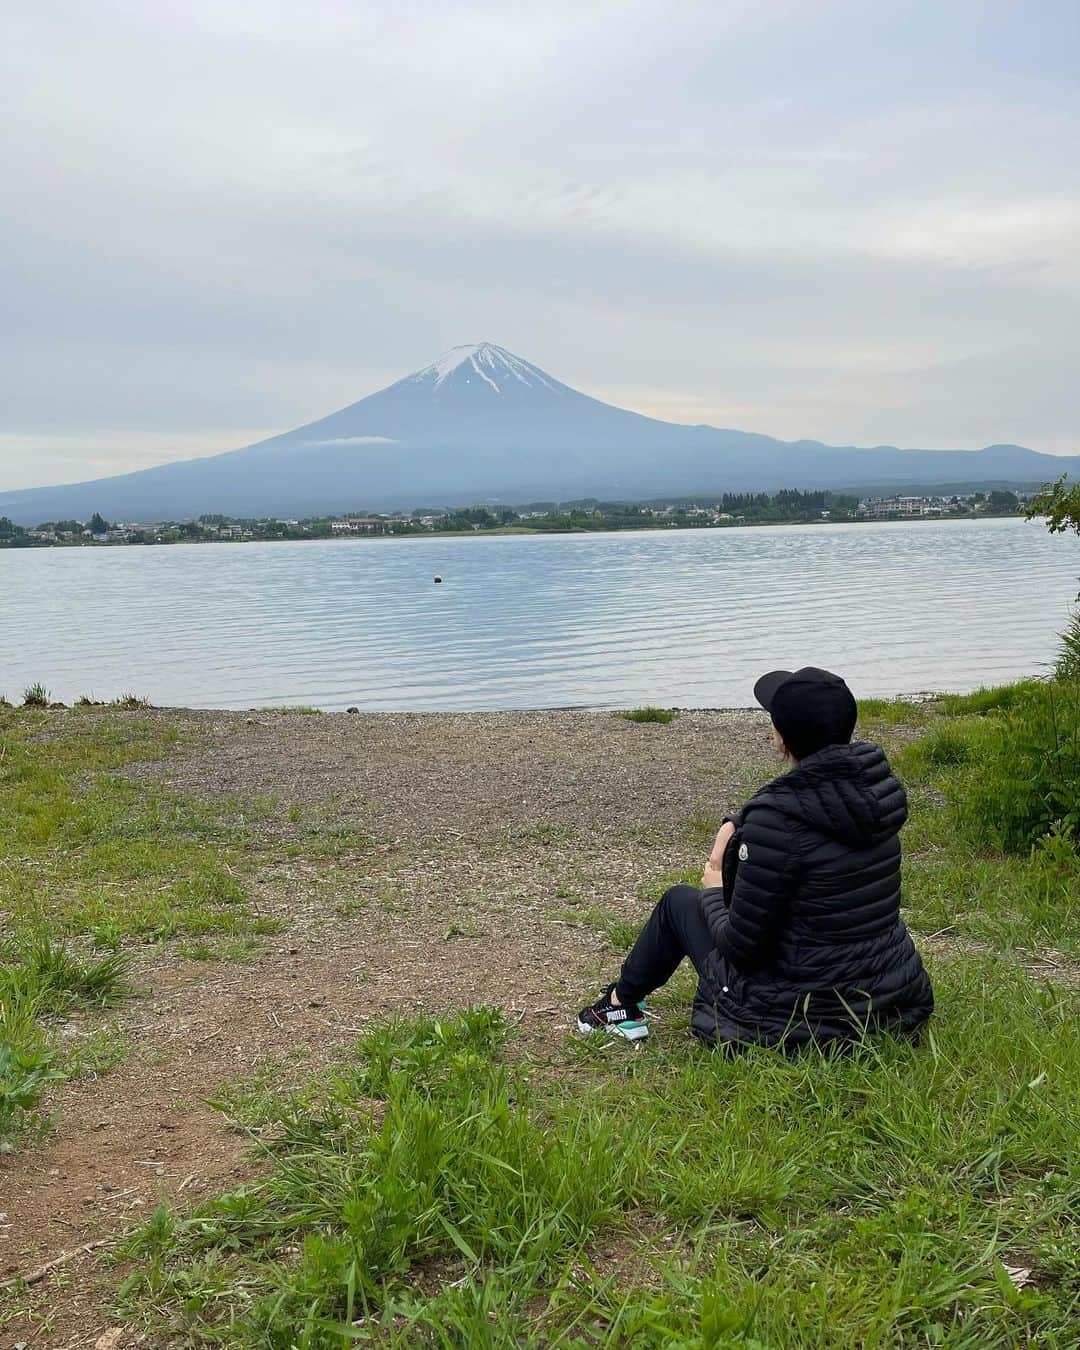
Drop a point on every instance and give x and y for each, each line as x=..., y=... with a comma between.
x=847, y=792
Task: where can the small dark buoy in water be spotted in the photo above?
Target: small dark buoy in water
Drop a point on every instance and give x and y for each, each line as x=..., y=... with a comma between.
x=438, y=581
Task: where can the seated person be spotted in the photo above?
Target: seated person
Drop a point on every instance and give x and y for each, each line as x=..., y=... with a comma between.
x=796, y=934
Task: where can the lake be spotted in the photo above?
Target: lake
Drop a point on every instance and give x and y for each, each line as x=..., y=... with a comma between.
x=682, y=618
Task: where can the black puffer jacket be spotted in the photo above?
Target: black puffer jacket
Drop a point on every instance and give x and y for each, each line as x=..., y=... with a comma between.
x=809, y=940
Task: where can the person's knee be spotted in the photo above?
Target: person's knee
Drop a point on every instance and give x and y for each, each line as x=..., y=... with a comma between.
x=681, y=898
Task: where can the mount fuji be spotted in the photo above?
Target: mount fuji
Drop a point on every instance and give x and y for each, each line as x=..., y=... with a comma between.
x=481, y=423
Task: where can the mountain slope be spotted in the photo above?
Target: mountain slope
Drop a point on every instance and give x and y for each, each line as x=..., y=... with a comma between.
x=481, y=423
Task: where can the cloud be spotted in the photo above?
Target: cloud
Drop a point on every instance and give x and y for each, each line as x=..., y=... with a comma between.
x=355, y=440
x=815, y=219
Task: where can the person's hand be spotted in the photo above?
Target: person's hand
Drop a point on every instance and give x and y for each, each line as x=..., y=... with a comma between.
x=713, y=874
x=725, y=832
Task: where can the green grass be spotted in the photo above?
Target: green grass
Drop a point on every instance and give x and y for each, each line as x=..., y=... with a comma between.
x=996, y=698
x=448, y=1186
x=53, y=978
x=226, y=947
x=875, y=713
x=433, y=1191
x=85, y=851
x=687, y=876
x=299, y=710
x=96, y=1053
x=41, y=980
x=86, y=854
x=123, y=703
x=650, y=714
x=618, y=932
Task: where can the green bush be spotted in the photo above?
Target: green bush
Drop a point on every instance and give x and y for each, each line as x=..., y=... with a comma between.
x=650, y=714
x=1017, y=771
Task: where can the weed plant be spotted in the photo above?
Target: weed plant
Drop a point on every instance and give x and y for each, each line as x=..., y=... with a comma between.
x=27, y=1071
x=51, y=978
x=40, y=979
x=650, y=714
x=131, y=702
x=36, y=696
x=1068, y=661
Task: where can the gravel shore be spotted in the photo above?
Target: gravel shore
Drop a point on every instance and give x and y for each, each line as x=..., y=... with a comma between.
x=479, y=774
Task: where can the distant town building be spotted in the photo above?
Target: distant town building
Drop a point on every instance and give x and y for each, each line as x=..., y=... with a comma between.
x=903, y=506
x=358, y=525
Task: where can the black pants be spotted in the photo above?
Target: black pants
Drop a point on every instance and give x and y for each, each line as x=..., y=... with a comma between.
x=676, y=928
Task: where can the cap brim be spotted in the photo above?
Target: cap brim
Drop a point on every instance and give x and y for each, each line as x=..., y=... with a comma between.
x=766, y=687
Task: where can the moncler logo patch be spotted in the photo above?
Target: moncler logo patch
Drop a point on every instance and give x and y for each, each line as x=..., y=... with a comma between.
x=744, y=853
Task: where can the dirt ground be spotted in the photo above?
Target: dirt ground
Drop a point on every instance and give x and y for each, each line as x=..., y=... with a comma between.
x=471, y=847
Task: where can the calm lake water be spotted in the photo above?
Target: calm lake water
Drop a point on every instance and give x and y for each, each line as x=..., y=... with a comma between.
x=686, y=618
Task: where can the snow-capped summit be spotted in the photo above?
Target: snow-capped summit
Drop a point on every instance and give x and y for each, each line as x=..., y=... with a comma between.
x=485, y=361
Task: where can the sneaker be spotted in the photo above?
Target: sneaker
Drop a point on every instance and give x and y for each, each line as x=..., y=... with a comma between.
x=603, y=1015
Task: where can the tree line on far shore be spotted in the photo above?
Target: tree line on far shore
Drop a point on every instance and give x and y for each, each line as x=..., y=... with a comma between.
x=788, y=506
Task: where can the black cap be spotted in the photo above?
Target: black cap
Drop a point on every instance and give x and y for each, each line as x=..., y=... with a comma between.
x=810, y=708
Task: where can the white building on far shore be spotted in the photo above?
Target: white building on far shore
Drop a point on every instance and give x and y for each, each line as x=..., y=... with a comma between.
x=358, y=525
x=904, y=506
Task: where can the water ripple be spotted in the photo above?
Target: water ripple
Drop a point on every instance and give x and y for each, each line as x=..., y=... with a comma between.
x=688, y=617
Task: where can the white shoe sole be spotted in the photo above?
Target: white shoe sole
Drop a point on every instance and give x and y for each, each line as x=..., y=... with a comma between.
x=632, y=1031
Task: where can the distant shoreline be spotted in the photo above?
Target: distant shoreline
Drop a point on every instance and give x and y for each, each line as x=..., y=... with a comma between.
x=509, y=531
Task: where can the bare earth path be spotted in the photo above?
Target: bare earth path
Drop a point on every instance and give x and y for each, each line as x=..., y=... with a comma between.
x=443, y=860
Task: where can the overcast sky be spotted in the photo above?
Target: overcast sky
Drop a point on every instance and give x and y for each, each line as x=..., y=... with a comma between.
x=852, y=221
